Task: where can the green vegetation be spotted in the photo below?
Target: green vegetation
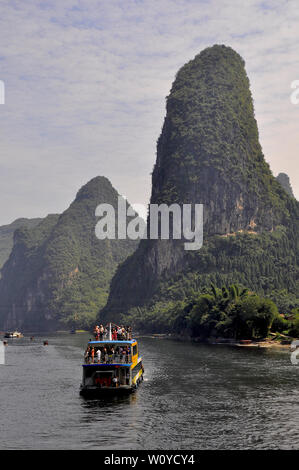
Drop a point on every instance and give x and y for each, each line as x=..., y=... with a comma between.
x=6, y=236
x=209, y=146
x=284, y=180
x=209, y=153
x=58, y=274
x=230, y=312
x=292, y=326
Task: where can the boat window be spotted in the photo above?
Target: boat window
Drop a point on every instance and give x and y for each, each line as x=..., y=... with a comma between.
x=104, y=374
x=135, y=350
x=89, y=371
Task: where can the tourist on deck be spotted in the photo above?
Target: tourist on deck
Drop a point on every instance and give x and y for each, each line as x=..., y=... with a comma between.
x=105, y=355
x=89, y=356
x=114, y=334
x=101, y=332
x=95, y=331
x=99, y=353
x=120, y=353
x=127, y=354
x=116, y=354
x=124, y=355
x=92, y=355
x=119, y=333
x=86, y=355
x=129, y=333
x=110, y=355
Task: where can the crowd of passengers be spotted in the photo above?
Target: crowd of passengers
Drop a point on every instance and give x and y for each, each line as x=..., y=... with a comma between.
x=107, y=354
x=118, y=333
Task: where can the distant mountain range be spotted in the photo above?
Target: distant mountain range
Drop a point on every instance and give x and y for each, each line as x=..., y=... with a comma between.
x=57, y=274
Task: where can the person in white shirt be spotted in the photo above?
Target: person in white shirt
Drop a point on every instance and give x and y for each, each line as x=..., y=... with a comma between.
x=99, y=355
x=119, y=333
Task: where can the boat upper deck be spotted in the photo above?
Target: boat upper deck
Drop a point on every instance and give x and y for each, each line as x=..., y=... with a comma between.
x=120, y=352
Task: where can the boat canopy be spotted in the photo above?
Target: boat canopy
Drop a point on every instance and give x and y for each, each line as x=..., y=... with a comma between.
x=107, y=341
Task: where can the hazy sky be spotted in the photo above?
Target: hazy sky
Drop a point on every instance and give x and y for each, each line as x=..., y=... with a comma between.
x=86, y=82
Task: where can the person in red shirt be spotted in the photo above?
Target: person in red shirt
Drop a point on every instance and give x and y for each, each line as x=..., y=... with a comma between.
x=114, y=334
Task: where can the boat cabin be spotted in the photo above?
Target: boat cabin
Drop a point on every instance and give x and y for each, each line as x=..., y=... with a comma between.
x=111, y=365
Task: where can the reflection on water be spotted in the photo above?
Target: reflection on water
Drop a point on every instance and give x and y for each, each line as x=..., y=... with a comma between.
x=193, y=397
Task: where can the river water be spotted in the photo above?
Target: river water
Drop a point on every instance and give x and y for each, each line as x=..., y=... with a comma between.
x=193, y=397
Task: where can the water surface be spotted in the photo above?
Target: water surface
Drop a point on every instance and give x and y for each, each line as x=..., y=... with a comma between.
x=193, y=397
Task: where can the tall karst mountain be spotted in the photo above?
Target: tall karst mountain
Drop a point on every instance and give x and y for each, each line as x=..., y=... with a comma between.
x=58, y=273
x=209, y=153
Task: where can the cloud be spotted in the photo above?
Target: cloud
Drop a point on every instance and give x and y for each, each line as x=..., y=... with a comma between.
x=86, y=82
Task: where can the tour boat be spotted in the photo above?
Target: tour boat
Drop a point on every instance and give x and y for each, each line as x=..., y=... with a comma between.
x=114, y=373
x=15, y=334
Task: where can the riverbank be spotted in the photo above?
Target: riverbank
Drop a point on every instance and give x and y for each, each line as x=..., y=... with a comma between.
x=283, y=343
x=265, y=343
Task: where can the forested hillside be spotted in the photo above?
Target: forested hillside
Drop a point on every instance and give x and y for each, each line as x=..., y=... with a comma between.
x=209, y=152
x=58, y=273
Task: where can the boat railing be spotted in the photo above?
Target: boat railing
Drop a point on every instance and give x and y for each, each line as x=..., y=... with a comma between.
x=110, y=359
x=105, y=337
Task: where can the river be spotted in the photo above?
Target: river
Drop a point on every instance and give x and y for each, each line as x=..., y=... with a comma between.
x=193, y=397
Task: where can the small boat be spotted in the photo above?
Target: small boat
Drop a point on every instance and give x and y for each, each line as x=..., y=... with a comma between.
x=14, y=334
x=115, y=372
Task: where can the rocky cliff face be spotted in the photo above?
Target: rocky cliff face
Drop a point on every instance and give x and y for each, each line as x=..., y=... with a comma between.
x=58, y=273
x=209, y=152
x=284, y=180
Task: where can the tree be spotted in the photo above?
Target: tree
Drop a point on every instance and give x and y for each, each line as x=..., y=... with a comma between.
x=294, y=331
x=253, y=317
